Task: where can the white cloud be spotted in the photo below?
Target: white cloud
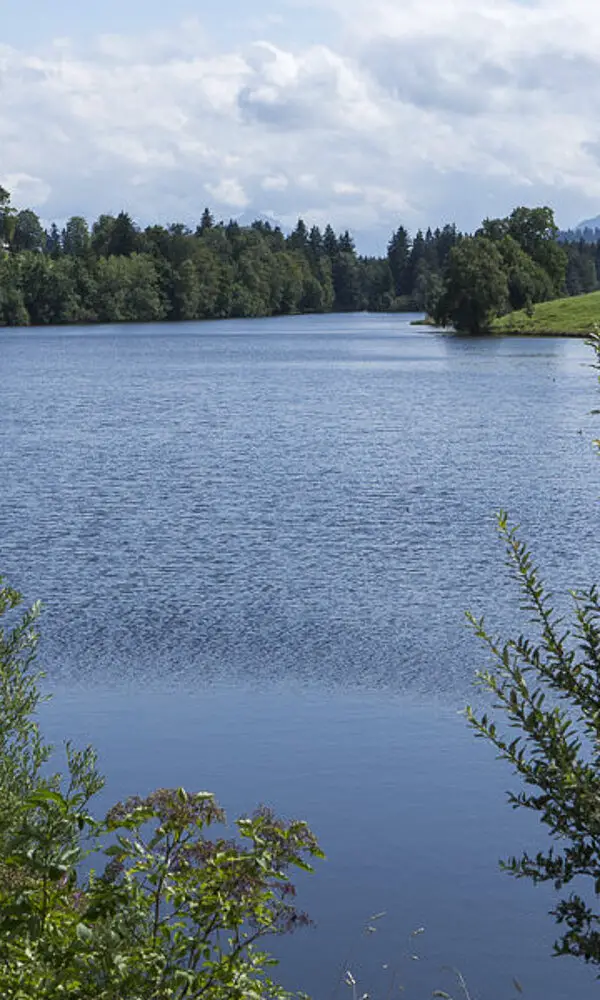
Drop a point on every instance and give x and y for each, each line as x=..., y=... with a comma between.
x=229, y=192
x=275, y=182
x=343, y=187
x=26, y=188
x=425, y=110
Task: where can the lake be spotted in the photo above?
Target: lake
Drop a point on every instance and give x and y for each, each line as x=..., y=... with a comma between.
x=255, y=542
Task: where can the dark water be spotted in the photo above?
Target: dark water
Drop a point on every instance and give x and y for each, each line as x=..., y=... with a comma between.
x=255, y=542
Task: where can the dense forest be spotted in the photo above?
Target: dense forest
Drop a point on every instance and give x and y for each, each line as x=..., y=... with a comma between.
x=116, y=271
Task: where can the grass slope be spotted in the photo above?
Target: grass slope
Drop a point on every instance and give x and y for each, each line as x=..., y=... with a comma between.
x=573, y=317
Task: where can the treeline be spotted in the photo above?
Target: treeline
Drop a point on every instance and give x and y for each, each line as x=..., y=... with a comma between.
x=583, y=262
x=118, y=272
x=589, y=234
x=114, y=271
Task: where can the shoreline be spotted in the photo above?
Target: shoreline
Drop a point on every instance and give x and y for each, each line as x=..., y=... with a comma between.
x=165, y=321
x=506, y=333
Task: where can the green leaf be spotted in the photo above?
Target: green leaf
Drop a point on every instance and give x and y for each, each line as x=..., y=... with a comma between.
x=121, y=963
x=44, y=796
x=185, y=977
x=114, y=851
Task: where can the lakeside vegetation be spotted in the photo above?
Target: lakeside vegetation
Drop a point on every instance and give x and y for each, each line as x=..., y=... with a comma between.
x=115, y=271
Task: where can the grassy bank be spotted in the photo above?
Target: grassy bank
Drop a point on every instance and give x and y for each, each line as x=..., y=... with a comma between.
x=573, y=317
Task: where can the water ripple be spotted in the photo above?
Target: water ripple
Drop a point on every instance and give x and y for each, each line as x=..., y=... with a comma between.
x=308, y=498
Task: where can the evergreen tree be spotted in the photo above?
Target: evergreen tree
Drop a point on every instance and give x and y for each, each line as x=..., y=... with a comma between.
x=431, y=252
x=446, y=239
x=347, y=284
x=330, y=243
x=398, y=254
x=299, y=237
x=54, y=241
x=101, y=235
x=416, y=259
x=124, y=239
x=76, y=239
x=207, y=222
x=315, y=244
x=346, y=244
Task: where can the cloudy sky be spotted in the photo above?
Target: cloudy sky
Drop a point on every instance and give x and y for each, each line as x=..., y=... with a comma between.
x=367, y=113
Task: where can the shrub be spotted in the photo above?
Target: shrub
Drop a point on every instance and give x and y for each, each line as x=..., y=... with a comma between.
x=169, y=910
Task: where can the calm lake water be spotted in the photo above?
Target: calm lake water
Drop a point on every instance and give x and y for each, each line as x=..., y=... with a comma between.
x=255, y=542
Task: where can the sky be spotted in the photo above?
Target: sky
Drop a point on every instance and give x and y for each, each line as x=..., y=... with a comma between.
x=365, y=113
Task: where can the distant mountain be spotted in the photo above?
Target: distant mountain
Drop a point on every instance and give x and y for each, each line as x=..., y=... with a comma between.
x=589, y=224
x=247, y=218
x=588, y=231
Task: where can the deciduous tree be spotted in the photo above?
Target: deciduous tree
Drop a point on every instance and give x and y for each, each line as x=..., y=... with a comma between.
x=475, y=288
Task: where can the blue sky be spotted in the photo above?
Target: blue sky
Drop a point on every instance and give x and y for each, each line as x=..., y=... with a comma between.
x=30, y=23
x=367, y=113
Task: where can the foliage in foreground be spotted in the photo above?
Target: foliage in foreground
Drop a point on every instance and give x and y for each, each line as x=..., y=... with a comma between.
x=548, y=689
x=169, y=909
